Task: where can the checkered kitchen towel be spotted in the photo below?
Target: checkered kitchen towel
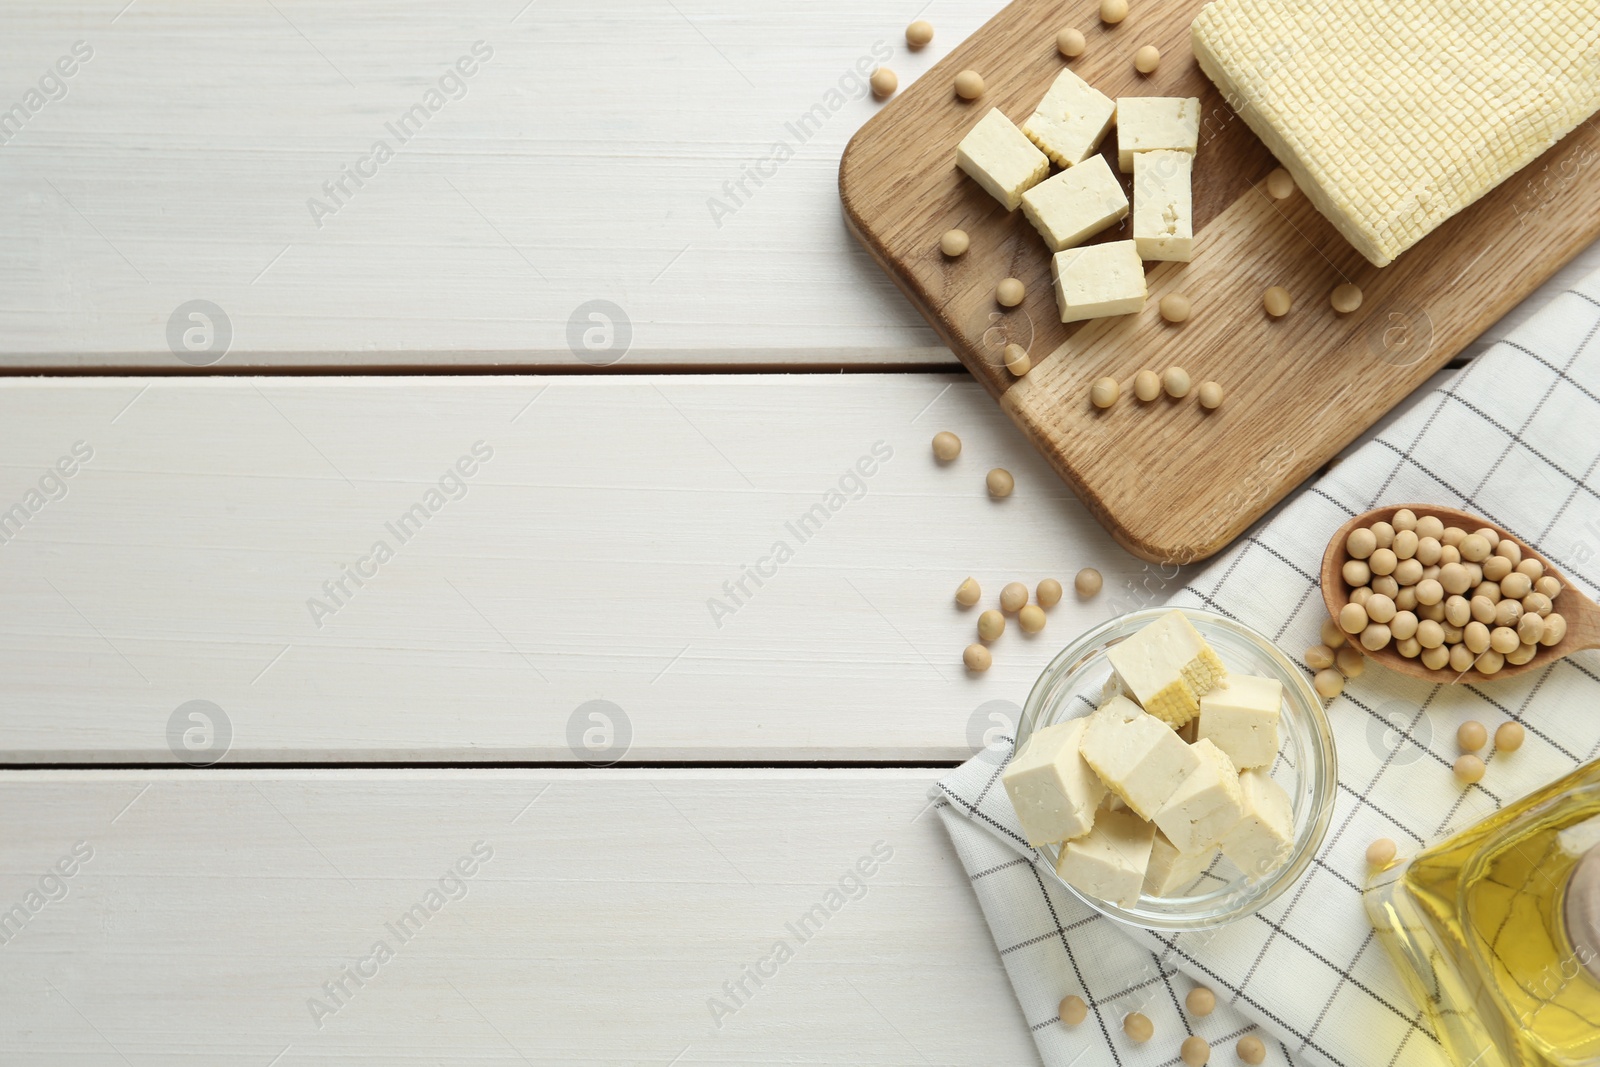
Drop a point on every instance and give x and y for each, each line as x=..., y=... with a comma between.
x=1515, y=438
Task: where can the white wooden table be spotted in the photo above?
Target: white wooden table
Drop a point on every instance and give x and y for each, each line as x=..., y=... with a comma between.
x=563, y=499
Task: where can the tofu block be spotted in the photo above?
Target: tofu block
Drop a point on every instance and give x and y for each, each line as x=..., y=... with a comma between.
x=1163, y=206
x=1109, y=862
x=1075, y=204
x=1001, y=159
x=1136, y=755
x=1071, y=120
x=1207, y=804
x=1112, y=687
x=1395, y=116
x=1242, y=718
x=1156, y=123
x=1052, y=788
x=1261, y=841
x=1168, y=666
x=1098, y=281
x=1170, y=872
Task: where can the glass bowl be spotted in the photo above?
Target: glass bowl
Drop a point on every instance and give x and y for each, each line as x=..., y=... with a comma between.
x=1071, y=686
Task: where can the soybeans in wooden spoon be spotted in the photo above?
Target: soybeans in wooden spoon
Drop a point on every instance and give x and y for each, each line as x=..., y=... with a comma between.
x=1435, y=612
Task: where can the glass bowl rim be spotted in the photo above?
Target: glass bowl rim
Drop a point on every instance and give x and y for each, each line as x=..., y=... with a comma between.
x=1323, y=766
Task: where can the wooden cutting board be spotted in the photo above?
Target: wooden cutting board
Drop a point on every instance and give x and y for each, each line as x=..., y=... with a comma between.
x=1171, y=481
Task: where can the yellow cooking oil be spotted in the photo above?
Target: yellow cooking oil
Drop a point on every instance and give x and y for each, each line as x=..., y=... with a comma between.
x=1497, y=930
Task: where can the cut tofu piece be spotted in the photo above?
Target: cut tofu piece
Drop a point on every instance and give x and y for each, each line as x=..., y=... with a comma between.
x=1170, y=872
x=1136, y=755
x=1394, y=116
x=1052, y=788
x=1261, y=841
x=1071, y=120
x=1112, y=687
x=1109, y=862
x=1076, y=204
x=1001, y=159
x=1163, y=206
x=1242, y=718
x=1099, y=281
x=1156, y=123
x=1207, y=804
x=1168, y=667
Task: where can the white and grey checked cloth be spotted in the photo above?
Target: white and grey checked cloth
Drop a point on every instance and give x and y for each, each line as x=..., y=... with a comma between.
x=1515, y=438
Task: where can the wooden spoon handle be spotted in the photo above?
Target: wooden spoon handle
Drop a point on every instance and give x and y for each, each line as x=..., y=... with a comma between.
x=1583, y=621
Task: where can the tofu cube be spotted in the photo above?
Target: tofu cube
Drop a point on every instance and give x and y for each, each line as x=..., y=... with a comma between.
x=1242, y=717
x=1163, y=206
x=1071, y=120
x=1261, y=841
x=1052, y=788
x=1136, y=755
x=1098, y=281
x=1153, y=123
x=1167, y=666
x=1109, y=862
x=1001, y=159
x=1076, y=204
x=1207, y=804
x=1170, y=872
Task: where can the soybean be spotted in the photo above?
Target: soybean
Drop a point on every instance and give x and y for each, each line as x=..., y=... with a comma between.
x=1012, y=597
x=1104, y=392
x=1277, y=301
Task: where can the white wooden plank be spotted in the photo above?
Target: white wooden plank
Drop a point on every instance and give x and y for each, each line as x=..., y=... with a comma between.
x=579, y=566
x=581, y=164
x=615, y=904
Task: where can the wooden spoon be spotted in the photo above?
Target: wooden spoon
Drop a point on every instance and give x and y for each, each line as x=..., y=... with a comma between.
x=1581, y=613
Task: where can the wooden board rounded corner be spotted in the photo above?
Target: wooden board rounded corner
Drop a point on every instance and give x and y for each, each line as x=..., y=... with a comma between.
x=1178, y=486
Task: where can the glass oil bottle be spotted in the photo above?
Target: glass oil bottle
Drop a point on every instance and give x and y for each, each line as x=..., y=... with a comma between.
x=1497, y=930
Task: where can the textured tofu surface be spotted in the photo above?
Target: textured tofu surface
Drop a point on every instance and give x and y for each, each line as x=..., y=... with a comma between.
x=998, y=157
x=1152, y=123
x=1071, y=120
x=1076, y=204
x=1167, y=666
x=1170, y=872
x=1242, y=719
x=1206, y=805
x=1163, y=206
x=1099, y=280
x=1052, y=788
x=1260, y=842
x=1394, y=116
x=1109, y=862
x=1136, y=755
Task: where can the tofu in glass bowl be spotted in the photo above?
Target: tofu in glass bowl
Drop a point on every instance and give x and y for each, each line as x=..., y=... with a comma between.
x=1174, y=769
